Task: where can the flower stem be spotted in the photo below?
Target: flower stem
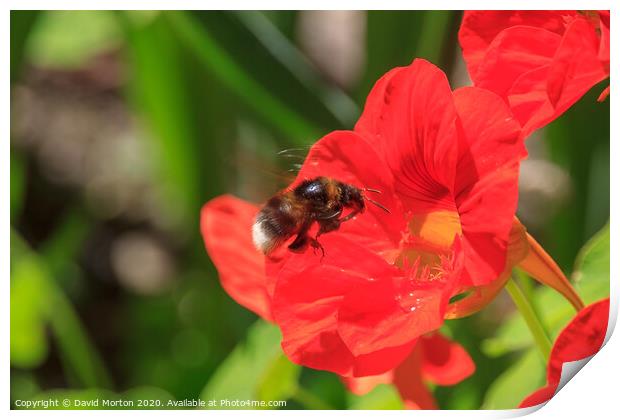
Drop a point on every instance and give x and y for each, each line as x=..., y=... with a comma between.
x=309, y=400
x=526, y=283
x=531, y=319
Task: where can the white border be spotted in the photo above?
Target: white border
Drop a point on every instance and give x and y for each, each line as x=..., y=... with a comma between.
x=592, y=393
x=307, y=5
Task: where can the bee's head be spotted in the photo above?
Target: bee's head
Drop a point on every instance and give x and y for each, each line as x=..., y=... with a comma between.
x=350, y=196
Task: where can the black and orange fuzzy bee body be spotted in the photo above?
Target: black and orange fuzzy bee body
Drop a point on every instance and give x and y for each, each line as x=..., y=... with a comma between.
x=321, y=200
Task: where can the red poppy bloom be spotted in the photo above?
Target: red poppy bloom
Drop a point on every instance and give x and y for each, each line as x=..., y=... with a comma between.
x=540, y=62
x=582, y=338
x=435, y=359
x=447, y=165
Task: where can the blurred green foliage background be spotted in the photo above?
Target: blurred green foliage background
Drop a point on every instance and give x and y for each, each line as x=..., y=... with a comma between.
x=125, y=123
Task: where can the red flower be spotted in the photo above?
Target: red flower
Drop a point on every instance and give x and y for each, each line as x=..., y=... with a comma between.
x=447, y=165
x=435, y=359
x=582, y=338
x=540, y=62
x=443, y=162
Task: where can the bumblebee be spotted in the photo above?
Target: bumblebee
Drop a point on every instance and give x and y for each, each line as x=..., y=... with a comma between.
x=293, y=212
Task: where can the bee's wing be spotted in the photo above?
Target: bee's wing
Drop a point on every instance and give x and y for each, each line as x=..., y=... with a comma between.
x=258, y=178
x=292, y=158
x=270, y=172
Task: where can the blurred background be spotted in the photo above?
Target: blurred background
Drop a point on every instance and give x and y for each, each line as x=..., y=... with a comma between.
x=124, y=123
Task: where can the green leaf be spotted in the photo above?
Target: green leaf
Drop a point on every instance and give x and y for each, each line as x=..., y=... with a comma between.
x=591, y=278
x=525, y=376
x=29, y=310
x=396, y=37
x=22, y=22
x=392, y=36
x=321, y=389
x=36, y=300
x=23, y=385
x=591, y=273
x=69, y=38
x=512, y=335
x=219, y=59
x=277, y=64
x=382, y=397
x=158, y=89
x=18, y=184
x=279, y=381
x=60, y=250
x=434, y=34
x=252, y=368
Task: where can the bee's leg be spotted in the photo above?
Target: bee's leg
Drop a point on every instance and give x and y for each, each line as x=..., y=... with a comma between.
x=349, y=216
x=326, y=216
x=327, y=226
x=301, y=241
x=315, y=244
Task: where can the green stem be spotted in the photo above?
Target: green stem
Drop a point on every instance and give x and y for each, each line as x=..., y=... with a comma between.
x=531, y=319
x=309, y=400
x=527, y=285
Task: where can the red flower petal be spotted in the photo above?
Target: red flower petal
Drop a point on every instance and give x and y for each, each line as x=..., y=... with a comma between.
x=382, y=360
x=435, y=358
x=581, y=338
x=529, y=99
x=576, y=66
x=370, y=122
x=539, y=396
x=226, y=225
x=488, y=173
x=365, y=384
x=391, y=311
x=408, y=381
x=372, y=317
x=480, y=296
x=543, y=95
x=308, y=297
x=541, y=63
x=407, y=378
x=604, y=94
x=445, y=362
x=603, y=54
x=410, y=119
x=305, y=308
x=480, y=27
x=515, y=51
